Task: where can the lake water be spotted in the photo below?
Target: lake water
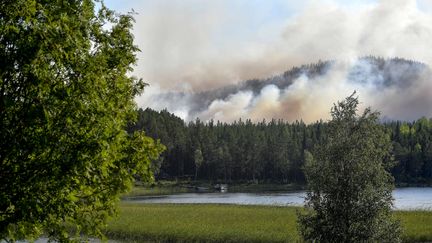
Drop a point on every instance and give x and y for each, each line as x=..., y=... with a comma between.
x=409, y=198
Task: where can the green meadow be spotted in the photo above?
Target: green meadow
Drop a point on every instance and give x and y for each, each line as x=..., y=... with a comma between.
x=229, y=223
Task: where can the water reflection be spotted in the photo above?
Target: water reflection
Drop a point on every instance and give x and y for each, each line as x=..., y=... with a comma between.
x=411, y=198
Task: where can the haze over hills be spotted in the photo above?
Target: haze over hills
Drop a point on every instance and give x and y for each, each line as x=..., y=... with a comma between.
x=400, y=88
x=195, y=55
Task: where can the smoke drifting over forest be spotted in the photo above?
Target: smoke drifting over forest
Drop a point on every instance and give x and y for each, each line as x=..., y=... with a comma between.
x=194, y=78
x=399, y=88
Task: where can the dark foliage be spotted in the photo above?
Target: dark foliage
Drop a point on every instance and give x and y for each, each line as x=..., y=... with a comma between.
x=270, y=151
x=349, y=197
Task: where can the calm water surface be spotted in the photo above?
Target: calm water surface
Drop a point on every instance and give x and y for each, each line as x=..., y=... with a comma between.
x=410, y=198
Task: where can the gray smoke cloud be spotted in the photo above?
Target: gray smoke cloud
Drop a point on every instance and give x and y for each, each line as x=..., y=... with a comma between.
x=401, y=89
x=192, y=78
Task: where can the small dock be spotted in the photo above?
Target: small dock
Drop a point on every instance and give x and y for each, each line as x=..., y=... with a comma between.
x=221, y=187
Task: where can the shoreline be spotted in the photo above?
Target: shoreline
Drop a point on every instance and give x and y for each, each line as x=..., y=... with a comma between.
x=175, y=187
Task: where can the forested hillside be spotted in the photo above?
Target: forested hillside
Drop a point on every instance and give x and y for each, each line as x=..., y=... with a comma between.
x=268, y=151
x=372, y=74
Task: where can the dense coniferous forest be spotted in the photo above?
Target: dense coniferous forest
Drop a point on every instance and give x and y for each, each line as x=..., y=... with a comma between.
x=268, y=151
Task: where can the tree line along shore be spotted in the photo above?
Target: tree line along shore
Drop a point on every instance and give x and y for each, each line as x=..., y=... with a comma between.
x=268, y=151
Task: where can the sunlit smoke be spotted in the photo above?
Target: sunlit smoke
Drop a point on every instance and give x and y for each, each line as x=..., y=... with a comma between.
x=400, y=89
x=194, y=72
x=190, y=45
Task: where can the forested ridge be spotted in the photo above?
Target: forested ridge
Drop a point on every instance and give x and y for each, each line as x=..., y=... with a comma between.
x=378, y=72
x=268, y=151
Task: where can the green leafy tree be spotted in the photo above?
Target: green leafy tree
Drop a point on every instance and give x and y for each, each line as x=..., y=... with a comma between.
x=65, y=101
x=350, y=188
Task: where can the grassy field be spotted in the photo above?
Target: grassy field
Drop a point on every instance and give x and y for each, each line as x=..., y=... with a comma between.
x=229, y=223
x=417, y=225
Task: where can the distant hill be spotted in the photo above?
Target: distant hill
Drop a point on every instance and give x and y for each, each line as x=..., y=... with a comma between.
x=376, y=71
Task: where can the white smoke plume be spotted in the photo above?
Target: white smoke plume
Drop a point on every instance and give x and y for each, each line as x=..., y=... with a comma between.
x=178, y=54
x=399, y=88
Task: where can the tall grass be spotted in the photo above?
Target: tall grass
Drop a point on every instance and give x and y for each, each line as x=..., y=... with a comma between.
x=417, y=225
x=230, y=223
x=210, y=223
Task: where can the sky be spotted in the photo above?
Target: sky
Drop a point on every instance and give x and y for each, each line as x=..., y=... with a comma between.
x=196, y=45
